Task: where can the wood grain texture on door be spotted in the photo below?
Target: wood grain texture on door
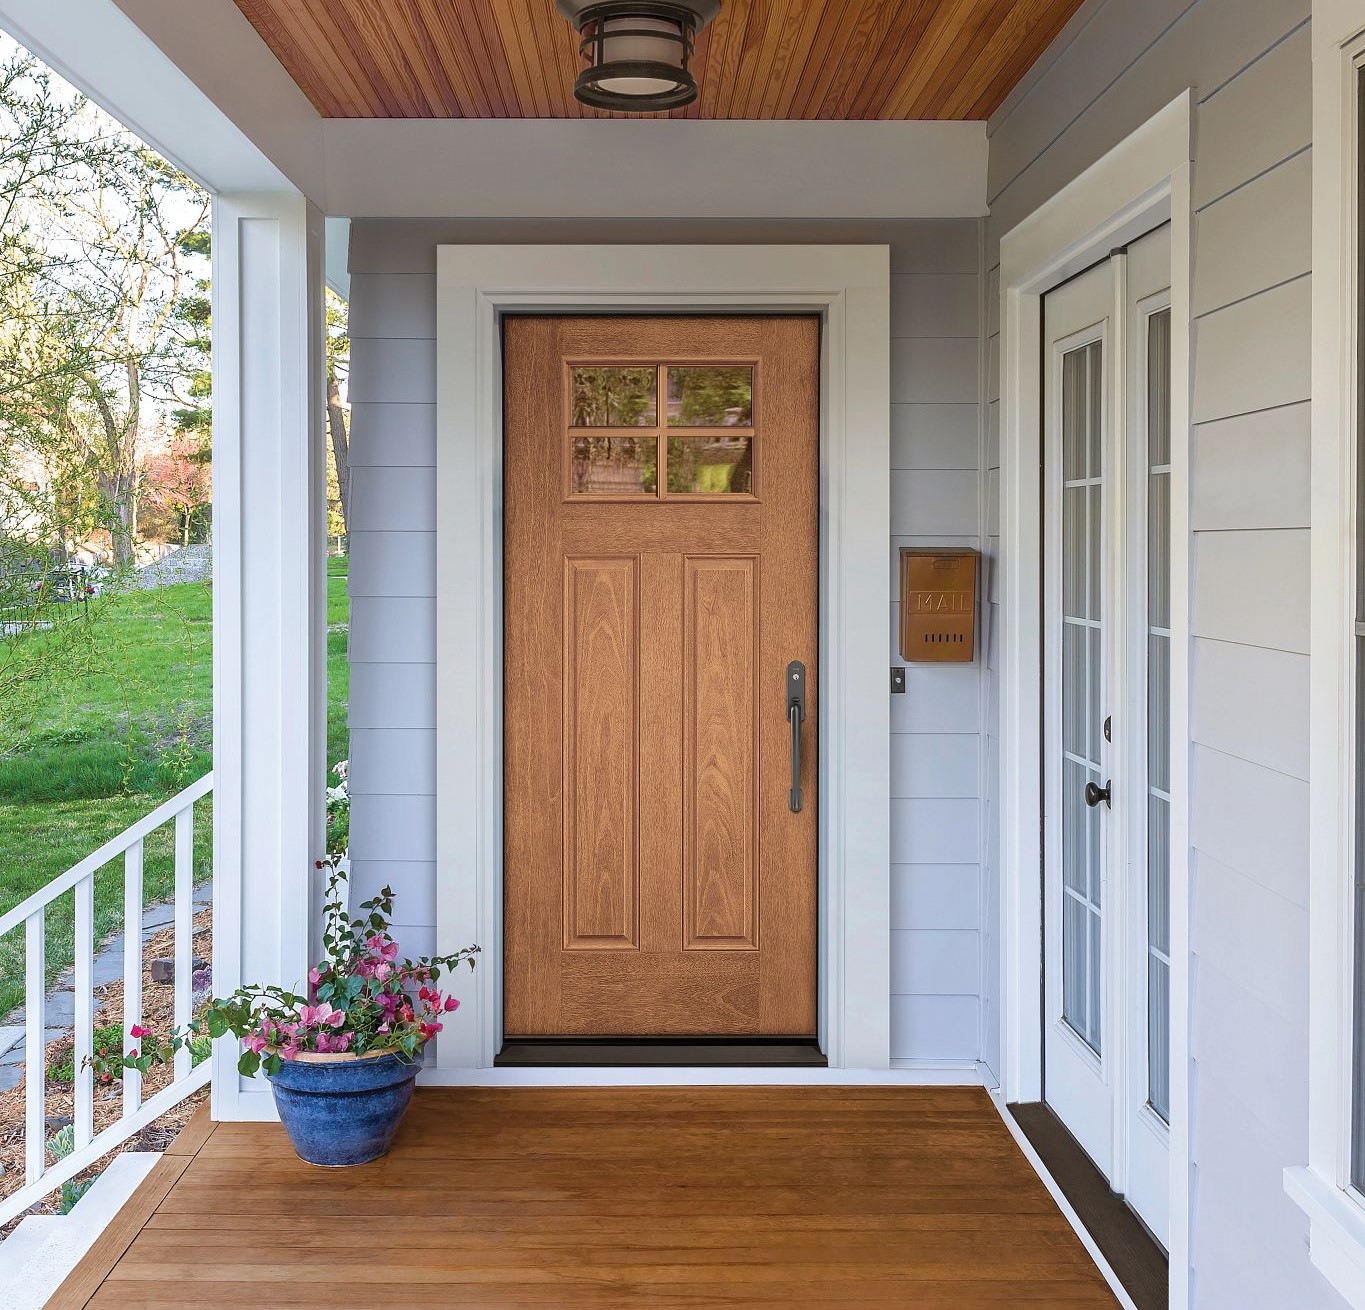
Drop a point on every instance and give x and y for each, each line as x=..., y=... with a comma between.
x=661, y=569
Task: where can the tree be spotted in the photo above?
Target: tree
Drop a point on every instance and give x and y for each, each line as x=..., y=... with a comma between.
x=98, y=340
x=179, y=481
x=338, y=374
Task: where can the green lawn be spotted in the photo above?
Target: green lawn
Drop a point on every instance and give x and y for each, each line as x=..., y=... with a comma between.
x=123, y=722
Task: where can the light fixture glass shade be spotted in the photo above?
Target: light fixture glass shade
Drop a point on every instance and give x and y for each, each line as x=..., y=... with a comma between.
x=637, y=52
x=642, y=40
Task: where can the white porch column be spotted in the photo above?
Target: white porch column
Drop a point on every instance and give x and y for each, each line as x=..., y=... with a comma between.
x=269, y=603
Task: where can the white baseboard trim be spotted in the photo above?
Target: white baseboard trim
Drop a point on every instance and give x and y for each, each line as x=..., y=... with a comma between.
x=919, y=1074
x=1063, y=1204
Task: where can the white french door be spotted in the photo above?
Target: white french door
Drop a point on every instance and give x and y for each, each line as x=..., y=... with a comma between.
x=1106, y=711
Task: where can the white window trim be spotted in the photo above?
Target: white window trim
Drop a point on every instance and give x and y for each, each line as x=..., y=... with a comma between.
x=1141, y=183
x=1319, y=1187
x=849, y=286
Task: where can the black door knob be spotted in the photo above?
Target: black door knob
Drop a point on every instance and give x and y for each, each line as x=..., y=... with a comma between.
x=1094, y=795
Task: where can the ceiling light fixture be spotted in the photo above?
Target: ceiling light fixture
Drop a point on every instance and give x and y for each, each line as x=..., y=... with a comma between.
x=637, y=52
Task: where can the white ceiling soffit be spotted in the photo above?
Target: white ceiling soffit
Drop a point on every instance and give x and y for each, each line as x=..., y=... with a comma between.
x=653, y=168
x=193, y=80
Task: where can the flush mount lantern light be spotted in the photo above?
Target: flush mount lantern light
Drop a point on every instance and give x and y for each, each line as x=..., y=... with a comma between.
x=637, y=51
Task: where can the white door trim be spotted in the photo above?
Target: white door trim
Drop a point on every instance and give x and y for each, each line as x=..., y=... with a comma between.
x=1321, y=1184
x=849, y=286
x=1143, y=182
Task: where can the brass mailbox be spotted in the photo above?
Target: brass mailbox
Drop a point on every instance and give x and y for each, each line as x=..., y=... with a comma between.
x=938, y=605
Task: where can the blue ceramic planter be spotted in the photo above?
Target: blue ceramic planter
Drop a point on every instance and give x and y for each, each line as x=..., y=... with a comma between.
x=342, y=1112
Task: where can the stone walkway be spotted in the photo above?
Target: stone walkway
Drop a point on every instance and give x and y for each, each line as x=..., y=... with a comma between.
x=59, y=1014
x=188, y=564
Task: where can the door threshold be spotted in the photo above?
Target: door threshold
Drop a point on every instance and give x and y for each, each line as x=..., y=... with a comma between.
x=660, y=1052
x=1136, y=1257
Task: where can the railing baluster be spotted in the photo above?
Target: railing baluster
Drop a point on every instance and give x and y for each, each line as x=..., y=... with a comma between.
x=42, y=1177
x=132, y=969
x=84, y=943
x=184, y=928
x=35, y=1063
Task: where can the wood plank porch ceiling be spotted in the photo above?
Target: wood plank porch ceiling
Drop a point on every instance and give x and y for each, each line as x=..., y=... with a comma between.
x=607, y=1199
x=831, y=59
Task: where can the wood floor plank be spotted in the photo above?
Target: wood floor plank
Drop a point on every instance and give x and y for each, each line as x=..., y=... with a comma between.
x=83, y=1281
x=190, y=1140
x=614, y=1198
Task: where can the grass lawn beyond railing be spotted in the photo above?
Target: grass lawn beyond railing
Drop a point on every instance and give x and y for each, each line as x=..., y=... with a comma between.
x=125, y=724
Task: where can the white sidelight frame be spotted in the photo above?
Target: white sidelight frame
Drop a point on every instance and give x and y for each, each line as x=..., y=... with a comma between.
x=1322, y=1186
x=849, y=287
x=269, y=605
x=1140, y=184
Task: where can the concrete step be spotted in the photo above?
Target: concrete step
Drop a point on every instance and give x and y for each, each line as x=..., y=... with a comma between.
x=40, y=1253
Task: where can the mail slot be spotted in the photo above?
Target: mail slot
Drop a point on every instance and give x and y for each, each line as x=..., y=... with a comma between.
x=938, y=605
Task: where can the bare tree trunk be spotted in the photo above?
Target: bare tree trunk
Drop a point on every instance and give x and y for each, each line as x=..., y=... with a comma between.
x=336, y=428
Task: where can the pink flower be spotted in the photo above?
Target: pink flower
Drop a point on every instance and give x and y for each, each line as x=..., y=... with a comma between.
x=384, y=950
x=318, y=1016
x=324, y=1042
x=429, y=1030
x=343, y=1042
x=290, y=1051
x=314, y=976
x=256, y=1042
x=451, y=1004
x=137, y=1030
x=382, y=970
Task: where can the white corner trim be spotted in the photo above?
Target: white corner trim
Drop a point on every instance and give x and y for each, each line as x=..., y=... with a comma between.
x=1337, y=1229
x=850, y=287
x=1142, y=182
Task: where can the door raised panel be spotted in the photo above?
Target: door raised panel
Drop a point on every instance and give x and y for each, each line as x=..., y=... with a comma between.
x=720, y=840
x=601, y=754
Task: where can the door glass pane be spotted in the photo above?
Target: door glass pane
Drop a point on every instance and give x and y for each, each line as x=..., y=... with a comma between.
x=1159, y=712
x=710, y=465
x=606, y=397
x=711, y=397
x=1082, y=676
x=617, y=466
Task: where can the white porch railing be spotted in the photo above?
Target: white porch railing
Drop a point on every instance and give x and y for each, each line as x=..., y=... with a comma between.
x=40, y=1178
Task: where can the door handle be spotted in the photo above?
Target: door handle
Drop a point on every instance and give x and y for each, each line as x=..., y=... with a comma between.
x=796, y=712
x=1094, y=795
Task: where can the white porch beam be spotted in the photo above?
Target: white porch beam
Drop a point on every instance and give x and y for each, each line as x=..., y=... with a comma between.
x=653, y=168
x=194, y=81
x=269, y=585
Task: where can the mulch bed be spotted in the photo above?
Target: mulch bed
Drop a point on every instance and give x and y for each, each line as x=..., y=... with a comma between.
x=158, y=1014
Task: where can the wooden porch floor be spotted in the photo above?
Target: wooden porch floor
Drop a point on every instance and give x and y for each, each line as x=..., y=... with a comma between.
x=609, y=1197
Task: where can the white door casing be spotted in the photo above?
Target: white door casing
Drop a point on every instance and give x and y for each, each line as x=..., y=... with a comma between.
x=1141, y=183
x=849, y=287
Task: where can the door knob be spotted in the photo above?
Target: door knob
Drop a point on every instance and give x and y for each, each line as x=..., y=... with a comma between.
x=1095, y=794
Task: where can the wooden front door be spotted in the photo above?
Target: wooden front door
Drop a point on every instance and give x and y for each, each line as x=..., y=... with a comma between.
x=661, y=521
